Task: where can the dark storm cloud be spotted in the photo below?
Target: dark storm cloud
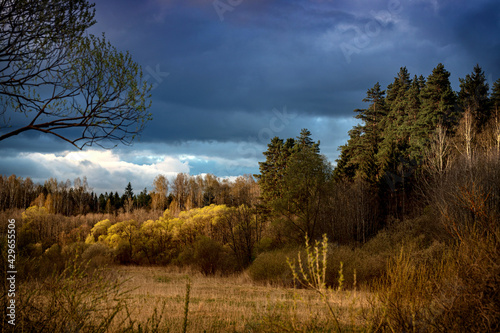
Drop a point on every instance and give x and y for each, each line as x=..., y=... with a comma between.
x=32, y=141
x=250, y=61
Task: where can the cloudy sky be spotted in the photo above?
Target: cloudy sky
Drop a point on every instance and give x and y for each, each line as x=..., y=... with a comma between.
x=228, y=75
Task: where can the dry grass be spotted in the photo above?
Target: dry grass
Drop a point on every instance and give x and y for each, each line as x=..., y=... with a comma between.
x=232, y=304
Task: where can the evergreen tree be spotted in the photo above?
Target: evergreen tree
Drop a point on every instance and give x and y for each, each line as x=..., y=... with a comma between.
x=394, y=134
x=304, y=140
x=495, y=95
x=144, y=199
x=273, y=169
x=495, y=114
x=357, y=158
x=306, y=184
x=410, y=130
x=293, y=182
x=102, y=202
x=117, y=202
x=438, y=105
x=347, y=165
x=473, y=96
x=129, y=193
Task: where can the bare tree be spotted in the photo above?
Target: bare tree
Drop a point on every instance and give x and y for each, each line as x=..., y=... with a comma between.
x=439, y=150
x=76, y=87
x=159, y=194
x=466, y=135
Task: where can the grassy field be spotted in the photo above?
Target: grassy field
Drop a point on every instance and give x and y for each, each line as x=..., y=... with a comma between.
x=233, y=304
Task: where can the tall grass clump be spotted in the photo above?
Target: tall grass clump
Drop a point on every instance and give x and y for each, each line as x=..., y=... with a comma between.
x=312, y=273
x=78, y=299
x=186, y=307
x=73, y=300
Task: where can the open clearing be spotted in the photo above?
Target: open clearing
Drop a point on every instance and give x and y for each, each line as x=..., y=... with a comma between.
x=233, y=304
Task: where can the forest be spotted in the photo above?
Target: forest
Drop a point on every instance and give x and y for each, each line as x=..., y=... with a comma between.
x=409, y=212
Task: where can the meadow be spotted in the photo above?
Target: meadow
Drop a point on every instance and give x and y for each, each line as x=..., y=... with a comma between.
x=233, y=303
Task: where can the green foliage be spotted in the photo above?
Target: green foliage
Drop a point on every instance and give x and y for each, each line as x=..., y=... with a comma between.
x=473, y=96
x=94, y=87
x=271, y=267
x=294, y=180
x=273, y=169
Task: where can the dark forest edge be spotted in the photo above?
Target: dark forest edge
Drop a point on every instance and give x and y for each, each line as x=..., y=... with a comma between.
x=411, y=211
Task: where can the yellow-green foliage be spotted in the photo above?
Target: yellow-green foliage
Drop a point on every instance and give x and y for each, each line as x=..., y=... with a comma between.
x=158, y=241
x=198, y=221
x=34, y=213
x=121, y=233
x=100, y=229
x=35, y=226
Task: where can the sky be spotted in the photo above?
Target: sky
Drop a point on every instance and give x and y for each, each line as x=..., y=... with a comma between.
x=228, y=75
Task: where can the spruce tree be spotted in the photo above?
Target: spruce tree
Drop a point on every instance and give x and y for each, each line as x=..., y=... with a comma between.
x=438, y=103
x=473, y=96
x=304, y=140
x=495, y=95
x=495, y=114
x=410, y=129
x=129, y=193
x=273, y=169
x=347, y=164
x=367, y=140
x=394, y=138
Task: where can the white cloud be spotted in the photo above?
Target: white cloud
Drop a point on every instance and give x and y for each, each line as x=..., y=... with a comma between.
x=105, y=170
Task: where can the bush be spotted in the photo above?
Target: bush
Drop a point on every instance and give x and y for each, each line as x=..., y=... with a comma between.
x=98, y=255
x=207, y=255
x=210, y=257
x=185, y=258
x=70, y=300
x=272, y=267
x=452, y=288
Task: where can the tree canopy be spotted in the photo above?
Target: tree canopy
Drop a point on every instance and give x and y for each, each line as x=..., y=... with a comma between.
x=65, y=82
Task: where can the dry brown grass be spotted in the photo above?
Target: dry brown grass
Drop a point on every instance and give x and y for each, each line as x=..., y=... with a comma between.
x=229, y=304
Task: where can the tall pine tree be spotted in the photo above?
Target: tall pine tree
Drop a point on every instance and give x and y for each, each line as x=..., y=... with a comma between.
x=394, y=140
x=473, y=97
x=357, y=158
x=438, y=104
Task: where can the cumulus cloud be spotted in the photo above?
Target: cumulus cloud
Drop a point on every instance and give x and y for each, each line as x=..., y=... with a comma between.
x=105, y=170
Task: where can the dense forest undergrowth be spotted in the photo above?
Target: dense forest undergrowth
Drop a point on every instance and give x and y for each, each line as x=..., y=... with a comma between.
x=410, y=215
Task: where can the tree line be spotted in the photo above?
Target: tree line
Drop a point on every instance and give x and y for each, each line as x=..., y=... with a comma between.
x=77, y=198
x=415, y=131
x=409, y=139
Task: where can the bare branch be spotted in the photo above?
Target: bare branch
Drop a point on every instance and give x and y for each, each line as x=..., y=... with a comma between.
x=60, y=79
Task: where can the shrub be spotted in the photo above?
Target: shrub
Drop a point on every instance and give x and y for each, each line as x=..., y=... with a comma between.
x=207, y=255
x=98, y=255
x=71, y=300
x=185, y=258
x=454, y=288
x=272, y=267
